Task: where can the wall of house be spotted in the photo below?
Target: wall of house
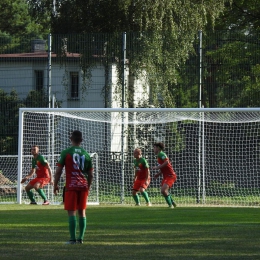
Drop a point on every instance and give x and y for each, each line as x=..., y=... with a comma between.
x=20, y=76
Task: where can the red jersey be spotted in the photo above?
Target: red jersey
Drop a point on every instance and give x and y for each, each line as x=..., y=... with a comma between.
x=167, y=171
x=140, y=167
x=39, y=164
x=77, y=164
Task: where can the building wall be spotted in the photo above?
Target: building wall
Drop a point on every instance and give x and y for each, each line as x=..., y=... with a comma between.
x=20, y=76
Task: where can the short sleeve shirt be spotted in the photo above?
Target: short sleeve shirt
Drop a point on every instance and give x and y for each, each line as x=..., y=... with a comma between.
x=77, y=163
x=39, y=164
x=167, y=171
x=140, y=167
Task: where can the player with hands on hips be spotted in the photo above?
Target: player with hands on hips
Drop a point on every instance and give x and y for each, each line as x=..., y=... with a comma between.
x=166, y=170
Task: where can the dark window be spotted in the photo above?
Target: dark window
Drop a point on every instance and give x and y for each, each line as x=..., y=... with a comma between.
x=39, y=74
x=74, y=84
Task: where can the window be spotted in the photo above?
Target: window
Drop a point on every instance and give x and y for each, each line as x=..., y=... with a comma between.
x=39, y=76
x=74, y=85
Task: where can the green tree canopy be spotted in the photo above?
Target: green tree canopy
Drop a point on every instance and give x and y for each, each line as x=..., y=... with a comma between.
x=241, y=15
x=9, y=104
x=16, y=20
x=231, y=70
x=163, y=30
x=18, y=27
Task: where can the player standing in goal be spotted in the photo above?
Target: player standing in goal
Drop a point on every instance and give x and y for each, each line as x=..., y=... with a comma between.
x=142, y=178
x=41, y=167
x=165, y=168
x=79, y=175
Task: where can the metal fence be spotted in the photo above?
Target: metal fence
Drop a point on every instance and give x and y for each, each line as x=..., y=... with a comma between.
x=125, y=70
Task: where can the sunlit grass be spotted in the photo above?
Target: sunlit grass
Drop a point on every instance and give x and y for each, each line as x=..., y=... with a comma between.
x=125, y=232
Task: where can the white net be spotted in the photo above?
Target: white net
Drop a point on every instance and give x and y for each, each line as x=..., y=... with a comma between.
x=8, y=178
x=215, y=153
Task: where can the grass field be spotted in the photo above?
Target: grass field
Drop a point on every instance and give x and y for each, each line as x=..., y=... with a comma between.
x=125, y=232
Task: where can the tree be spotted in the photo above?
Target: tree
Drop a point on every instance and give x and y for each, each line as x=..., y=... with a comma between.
x=17, y=26
x=36, y=99
x=10, y=105
x=243, y=15
x=231, y=59
x=15, y=19
x=162, y=31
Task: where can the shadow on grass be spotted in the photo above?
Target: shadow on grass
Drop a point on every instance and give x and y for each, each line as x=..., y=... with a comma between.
x=131, y=233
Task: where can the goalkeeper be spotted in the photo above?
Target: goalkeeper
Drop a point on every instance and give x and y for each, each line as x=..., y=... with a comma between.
x=41, y=167
x=165, y=168
x=142, y=178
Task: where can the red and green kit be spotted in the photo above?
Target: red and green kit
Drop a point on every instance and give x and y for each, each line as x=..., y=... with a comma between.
x=39, y=164
x=140, y=167
x=77, y=163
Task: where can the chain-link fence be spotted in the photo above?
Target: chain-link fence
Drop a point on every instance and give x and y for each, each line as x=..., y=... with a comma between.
x=125, y=70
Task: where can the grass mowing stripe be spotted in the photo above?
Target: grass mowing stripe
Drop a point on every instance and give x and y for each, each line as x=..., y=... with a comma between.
x=118, y=232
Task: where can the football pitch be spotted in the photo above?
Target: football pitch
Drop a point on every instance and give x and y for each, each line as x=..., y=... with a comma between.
x=128, y=232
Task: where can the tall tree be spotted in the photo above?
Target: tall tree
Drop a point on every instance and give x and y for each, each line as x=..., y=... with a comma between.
x=9, y=104
x=16, y=20
x=240, y=15
x=231, y=58
x=163, y=32
x=17, y=26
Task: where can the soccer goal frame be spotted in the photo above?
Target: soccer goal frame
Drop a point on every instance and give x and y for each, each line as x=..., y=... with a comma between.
x=203, y=187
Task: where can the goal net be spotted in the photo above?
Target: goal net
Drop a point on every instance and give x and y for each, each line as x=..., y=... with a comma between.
x=215, y=152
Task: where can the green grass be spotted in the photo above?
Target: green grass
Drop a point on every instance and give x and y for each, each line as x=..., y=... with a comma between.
x=125, y=232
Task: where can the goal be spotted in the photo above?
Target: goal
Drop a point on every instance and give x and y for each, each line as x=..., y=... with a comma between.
x=215, y=152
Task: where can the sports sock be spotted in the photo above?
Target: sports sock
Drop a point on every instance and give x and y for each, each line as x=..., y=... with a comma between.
x=30, y=195
x=168, y=199
x=42, y=194
x=146, y=197
x=72, y=227
x=82, y=227
x=171, y=199
x=136, y=198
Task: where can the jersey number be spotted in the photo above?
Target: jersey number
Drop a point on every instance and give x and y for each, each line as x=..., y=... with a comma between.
x=79, y=161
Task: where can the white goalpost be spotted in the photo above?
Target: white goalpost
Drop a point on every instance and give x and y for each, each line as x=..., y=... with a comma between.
x=215, y=152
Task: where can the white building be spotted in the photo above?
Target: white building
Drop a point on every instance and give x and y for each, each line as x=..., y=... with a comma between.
x=24, y=72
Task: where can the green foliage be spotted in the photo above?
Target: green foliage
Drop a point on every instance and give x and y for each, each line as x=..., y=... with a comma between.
x=231, y=59
x=18, y=27
x=16, y=20
x=9, y=116
x=37, y=99
x=242, y=15
x=10, y=105
x=163, y=30
x=231, y=70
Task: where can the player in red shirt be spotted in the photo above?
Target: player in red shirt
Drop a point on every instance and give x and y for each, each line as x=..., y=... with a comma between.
x=41, y=167
x=142, y=177
x=165, y=168
x=79, y=175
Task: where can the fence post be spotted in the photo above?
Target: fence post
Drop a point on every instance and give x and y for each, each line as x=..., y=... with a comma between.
x=122, y=128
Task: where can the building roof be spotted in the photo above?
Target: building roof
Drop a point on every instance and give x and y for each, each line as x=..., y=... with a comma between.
x=43, y=56
x=35, y=56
